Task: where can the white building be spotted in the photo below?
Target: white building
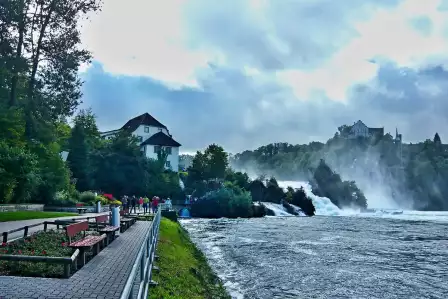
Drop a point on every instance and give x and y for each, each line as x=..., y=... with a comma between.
x=153, y=136
x=359, y=129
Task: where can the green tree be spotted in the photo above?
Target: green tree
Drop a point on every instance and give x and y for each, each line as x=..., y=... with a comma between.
x=217, y=162
x=79, y=158
x=19, y=174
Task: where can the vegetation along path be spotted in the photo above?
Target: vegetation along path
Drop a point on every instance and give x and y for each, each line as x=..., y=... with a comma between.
x=184, y=272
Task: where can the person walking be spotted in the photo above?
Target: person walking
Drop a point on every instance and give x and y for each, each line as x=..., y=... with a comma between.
x=145, y=204
x=133, y=204
x=124, y=201
x=169, y=204
x=155, y=204
x=140, y=203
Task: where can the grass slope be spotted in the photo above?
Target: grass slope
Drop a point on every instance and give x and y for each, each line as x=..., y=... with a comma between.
x=27, y=215
x=184, y=272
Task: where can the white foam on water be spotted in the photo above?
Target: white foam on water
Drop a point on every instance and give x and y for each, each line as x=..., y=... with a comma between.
x=278, y=209
x=324, y=207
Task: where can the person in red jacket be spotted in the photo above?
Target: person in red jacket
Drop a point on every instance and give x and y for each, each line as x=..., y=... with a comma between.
x=155, y=204
x=140, y=203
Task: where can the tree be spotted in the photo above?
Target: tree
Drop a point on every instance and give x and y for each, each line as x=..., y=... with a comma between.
x=79, y=159
x=41, y=55
x=217, y=162
x=19, y=174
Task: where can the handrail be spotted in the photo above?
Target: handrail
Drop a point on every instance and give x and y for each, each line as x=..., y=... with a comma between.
x=145, y=260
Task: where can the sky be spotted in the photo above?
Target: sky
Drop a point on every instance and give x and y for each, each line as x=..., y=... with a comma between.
x=246, y=73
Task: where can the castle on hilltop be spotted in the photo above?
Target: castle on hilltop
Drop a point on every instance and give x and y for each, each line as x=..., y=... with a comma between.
x=359, y=129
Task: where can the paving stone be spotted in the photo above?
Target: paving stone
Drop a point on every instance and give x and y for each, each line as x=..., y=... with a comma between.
x=102, y=277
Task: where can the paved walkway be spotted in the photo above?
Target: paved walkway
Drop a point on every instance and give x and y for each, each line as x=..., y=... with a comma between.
x=10, y=225
x=103, y=277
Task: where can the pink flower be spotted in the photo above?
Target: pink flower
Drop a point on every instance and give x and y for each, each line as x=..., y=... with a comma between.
x=64, y=244
x=4, y=244
x=20, y=251
x=44, y=252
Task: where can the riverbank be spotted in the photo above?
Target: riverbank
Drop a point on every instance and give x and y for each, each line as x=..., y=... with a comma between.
x=184, y=272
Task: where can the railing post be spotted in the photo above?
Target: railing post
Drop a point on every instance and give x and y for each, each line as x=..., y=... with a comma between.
x=5, y=237
x=25, y=231
x=148, y=244
x=142, y=268
x=45, y=226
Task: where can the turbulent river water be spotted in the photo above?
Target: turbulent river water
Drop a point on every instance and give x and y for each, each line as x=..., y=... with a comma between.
x=378, y=255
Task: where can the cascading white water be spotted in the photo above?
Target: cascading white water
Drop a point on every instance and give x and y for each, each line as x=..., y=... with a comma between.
x=323, y=205
x=278, y=209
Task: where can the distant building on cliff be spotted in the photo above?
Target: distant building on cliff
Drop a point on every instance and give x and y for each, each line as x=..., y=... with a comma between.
x=359, y=129
x=153, y=137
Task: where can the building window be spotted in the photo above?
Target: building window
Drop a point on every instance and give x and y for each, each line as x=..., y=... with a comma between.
x=140, y=138
x=160, y=129
x=156, y=149
x=168, y=164
x=146, y=129
x=168, y=150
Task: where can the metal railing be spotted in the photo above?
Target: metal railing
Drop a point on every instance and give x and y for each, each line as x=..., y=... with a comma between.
x=144, y=262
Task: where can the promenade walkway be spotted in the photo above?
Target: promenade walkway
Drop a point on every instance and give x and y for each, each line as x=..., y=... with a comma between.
x=10, y=225
x=103, y=277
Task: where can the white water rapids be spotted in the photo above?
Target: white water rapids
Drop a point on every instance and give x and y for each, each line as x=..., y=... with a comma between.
x=324, y=207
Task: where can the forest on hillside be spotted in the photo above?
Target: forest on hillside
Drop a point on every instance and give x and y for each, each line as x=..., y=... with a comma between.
x=413, y=175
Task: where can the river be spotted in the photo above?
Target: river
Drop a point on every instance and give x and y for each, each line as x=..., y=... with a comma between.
x=377, y=255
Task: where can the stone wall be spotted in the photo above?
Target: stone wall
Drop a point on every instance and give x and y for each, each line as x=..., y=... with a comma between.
x=21, y=207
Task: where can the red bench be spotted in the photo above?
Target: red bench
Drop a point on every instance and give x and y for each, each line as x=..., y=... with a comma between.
x=87, y=242
x=109, y=230
x=80, y=208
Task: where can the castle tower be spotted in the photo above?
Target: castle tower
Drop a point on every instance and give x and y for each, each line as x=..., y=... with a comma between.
x=398, y=141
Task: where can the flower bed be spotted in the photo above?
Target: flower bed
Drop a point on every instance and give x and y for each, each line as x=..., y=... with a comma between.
x=52, y=244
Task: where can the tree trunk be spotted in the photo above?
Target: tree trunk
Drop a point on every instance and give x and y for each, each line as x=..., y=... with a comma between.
x=32, y=79
x=15, y=77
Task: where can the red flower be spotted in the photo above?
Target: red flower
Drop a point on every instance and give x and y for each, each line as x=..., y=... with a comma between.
x=32, y=252
x=63, y=244
x=4, y=244
x=20, y=251
x=44, y=252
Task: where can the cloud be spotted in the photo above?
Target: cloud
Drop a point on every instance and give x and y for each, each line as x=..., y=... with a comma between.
x=247, y=73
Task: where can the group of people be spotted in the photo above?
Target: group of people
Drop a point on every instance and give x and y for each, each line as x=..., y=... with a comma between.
x=132, y=203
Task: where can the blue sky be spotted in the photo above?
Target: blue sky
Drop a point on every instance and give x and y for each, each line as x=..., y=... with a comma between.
x=246, y=73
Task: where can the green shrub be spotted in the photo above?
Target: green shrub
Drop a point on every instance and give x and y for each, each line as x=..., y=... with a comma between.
x=88, y=197
x=229, y=201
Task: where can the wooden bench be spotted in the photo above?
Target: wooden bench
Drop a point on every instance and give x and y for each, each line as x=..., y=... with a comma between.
x=87, y=242
x=125, y=222
x=80, y=208
x=102, y=226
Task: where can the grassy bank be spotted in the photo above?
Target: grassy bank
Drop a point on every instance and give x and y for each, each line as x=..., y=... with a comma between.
x=27, y=215
x=184, y=272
